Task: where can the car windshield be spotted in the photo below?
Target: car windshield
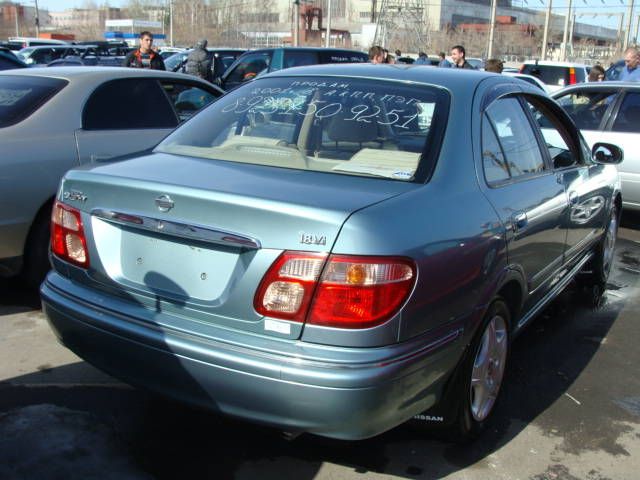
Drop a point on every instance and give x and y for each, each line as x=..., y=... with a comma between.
x=20, y=96
x=339, y=125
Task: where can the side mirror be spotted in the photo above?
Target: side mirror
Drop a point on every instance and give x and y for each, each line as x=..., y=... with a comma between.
x=607, y=153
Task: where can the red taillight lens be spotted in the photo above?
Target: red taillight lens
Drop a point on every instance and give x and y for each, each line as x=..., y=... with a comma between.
x=286, y=289
x=572, y=76
x=353, y=292
x=67, y=235
x=361, y=292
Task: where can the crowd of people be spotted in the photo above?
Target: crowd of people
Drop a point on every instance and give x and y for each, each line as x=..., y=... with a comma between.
x=147, y=56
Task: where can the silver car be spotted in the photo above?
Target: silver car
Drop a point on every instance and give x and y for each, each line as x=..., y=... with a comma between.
x=610, y=112
x=335, y=249
x=57, y=118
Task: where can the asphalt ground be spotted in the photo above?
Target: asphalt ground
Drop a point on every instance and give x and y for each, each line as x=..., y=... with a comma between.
x=570, y=409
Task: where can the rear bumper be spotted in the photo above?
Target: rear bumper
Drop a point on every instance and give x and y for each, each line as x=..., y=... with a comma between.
x=293, y=392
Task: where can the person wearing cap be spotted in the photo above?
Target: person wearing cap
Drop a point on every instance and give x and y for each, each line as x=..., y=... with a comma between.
x=145, y=57
x=198, y=62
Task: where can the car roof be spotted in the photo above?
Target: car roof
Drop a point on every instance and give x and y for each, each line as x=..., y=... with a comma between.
x=69, y=73
x=451, y=77
x=316, y=49
x=553, y=63
x=606, y=85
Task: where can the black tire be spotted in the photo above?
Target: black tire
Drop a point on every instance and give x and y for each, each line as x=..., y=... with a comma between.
x=36, y=255
x=596, y=273
x=460, y=416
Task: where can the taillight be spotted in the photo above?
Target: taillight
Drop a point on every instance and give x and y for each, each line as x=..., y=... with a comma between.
x=361, y=292
x=286, y=289
x=353, y=291
x=521, y=68
x=67, y=235
x=572, y=76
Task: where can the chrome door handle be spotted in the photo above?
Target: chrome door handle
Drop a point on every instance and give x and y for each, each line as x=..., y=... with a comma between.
x=519, y=221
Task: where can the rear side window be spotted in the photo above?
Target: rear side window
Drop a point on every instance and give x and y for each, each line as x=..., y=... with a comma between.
x=587, y=107
x=128, y=104
x=21, y=96
x=299, y=59
x=628, y=118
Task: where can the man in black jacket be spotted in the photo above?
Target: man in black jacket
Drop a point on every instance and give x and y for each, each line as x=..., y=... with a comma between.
x=145, y=57
x=458, y=56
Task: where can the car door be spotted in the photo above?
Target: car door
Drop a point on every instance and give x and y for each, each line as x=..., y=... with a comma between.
x=589, y=109
x=124, y=116
x=246, y=68
x=522, y=187
x=623, y=129
x=570, y=160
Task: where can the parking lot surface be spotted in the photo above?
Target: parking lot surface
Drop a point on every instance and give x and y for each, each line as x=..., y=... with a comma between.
x=570, y=409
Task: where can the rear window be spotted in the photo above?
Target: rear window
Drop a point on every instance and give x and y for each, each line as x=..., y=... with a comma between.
x=21, y=96
x=553, y=75
x=343, y=126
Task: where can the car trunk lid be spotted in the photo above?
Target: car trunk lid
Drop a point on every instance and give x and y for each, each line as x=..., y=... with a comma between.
x=194, y=237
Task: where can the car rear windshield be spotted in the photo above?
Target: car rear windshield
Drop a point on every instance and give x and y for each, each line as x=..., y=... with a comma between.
x=340, y=125
x=20, y=96
x=553, y=75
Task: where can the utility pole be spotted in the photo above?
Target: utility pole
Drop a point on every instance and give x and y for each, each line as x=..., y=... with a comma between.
x=171, y=21
x=545, y=36
x=620, y=40
x=565, y=35
x=296, y=23
x=328, y=39
x=37, y=20
x=492, y=27
x=627, y=36
x=637, y=30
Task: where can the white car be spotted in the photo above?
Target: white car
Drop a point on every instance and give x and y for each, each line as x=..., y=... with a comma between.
x=53, y=119
x=610, y=112
x=556, y=74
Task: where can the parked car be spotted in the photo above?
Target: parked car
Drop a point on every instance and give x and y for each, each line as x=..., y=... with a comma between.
x=556, y=74
x=52, y=119
x=610, y=112
x=476, y=63
x=220, y=58
x=318, y=250
x=259, y=62
x=535, y=81
x=405, y=59
x=166, y=52
x=87, y=54
x=18, y=43
x=8, y=61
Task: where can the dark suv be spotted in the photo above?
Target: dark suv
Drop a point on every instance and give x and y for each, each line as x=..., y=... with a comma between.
x=258, y=62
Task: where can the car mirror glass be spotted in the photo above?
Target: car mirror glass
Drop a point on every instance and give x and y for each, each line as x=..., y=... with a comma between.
x=607, y=153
